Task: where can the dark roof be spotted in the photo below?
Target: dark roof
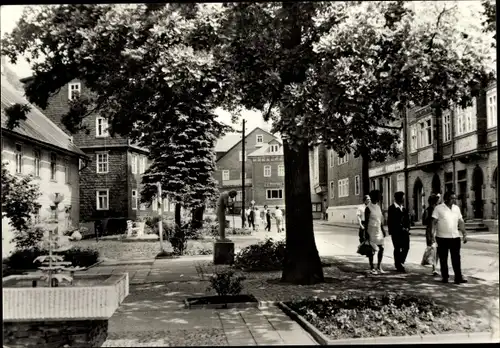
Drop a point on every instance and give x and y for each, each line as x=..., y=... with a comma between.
x=36, y=126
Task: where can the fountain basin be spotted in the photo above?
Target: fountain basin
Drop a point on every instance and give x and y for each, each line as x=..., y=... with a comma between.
x=91, y=297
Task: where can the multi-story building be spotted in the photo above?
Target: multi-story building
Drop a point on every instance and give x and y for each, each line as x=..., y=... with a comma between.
x=40, y=148
x=319, y=180
x=344, y=187
x=110, y=184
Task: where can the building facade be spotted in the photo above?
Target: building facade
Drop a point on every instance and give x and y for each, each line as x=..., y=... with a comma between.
x=110, y=183
x=39, y=148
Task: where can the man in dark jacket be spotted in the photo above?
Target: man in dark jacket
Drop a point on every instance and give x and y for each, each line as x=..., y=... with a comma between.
x=398, y=222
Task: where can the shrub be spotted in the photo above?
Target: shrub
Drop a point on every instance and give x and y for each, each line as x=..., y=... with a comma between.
x=201, y=250
x=239, y=231
x=265, y=256
x=83, y=257
x=23, y=259
x=226, y=283
x=208, y=219
x=178, y=241
x=30, y=238
x=114, y=226
x=168, y=226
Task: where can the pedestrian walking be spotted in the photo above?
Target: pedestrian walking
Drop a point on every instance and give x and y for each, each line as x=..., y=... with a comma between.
x=360, y=213
x=257, y=218
x=446, y=222
x=267, y=213
x=398, y=223
x=375, y=229
x=278, y=216
x=429, y=238
x=251, y=218
x=247, y=216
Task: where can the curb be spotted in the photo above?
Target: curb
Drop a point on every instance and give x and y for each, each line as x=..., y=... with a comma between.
x=94, y=265
x=147, y=262
x=476, y=337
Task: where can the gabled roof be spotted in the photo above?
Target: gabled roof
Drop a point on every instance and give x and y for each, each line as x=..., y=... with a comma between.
x=36, y=126
x=227, y=142
x=246, y=137
x=264, y=150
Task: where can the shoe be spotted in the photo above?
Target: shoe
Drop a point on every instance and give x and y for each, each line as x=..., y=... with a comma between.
x=434, y=273
x=374, y=271
x=381, y=271
x=444, y=280
x=461, y=281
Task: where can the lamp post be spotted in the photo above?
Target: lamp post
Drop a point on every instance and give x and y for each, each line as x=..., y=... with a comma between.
x=243, y=159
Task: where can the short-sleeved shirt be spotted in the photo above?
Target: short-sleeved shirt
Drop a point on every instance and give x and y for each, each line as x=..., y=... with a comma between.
x=447, y=221
x=278, y=214
x=361, y=211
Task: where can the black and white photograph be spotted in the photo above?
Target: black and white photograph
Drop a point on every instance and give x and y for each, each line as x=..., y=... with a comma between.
x=249, y=173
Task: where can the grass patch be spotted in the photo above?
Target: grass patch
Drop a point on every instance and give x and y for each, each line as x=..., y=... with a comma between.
x=390, y=314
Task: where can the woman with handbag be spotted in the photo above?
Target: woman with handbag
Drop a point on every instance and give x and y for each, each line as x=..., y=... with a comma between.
x=375, y=229
x=430, y=254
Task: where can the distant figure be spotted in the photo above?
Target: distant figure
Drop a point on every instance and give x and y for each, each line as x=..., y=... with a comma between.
x=375, y=228
x=251, y=218
x=268, y=218
x=446, y=220
x=398, y=223
x=361, y=218
x=325, y=208
x=222, y=204
x=257, y=218
x=247, y=216
x=278, y=215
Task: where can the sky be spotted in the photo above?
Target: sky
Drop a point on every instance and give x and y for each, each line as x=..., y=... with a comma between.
x=10, y=14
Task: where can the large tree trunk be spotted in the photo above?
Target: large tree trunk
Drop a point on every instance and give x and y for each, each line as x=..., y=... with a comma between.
x=178, y=214
x=197, y=217
x=365, y=167
x=302, y=262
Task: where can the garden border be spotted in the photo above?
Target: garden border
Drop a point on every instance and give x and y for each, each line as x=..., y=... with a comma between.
x=322, y=339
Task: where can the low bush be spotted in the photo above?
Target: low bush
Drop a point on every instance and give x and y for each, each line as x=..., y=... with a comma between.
x=226, y=282
x=23, y=259
x=114, y=226
x=30, y=238
x=268, y=255
x=347, y=315
x=238, y=231
x=200, y=250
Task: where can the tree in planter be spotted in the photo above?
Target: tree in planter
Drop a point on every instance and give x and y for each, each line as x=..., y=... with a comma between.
x=19, y=203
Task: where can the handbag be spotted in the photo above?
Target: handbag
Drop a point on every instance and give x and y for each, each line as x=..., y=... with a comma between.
x=427, y=259
x=365, y=248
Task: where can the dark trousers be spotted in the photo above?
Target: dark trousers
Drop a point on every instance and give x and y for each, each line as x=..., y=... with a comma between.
x=268, y=226
x=453, y=246
x=401, y=245
x=251, y=223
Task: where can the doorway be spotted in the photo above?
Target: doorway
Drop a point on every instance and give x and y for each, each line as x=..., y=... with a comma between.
x=436, y=184
x=417, y=199
x=477, y=187
x=462, y=192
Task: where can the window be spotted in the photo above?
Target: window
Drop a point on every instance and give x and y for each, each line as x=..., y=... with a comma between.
x=142, y=165
x=225, y=175
x=356, y=185
x=446, y=126
x=74, y=90
x=413, y=138
x=343, y=187
x=102, y=161
x=267, y=171
x=274, y=148
x=332, y=189
x=134, y=164
x=400, y=182
x=37, y=164
x=154, y=204
x=67, y=171
x=134, y=199
x=281, y=170
x=317, y=207
x=331, y=158
x=19, y=158
x=101, y=128
x=239, y=196
x=102, y=199
x=374, y=184
x=344, y=159
x=274, y=193
x=260, y=139
x=241, y=159
x=466, y=119
x=491, y=107
x=53, y=164
x=425, y=133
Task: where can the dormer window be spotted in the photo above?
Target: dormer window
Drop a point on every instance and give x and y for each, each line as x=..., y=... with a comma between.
x=274, y=148
x=74, y=90
x=260, y=139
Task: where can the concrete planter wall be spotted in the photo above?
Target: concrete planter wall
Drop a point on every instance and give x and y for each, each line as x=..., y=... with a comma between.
x=64, y=303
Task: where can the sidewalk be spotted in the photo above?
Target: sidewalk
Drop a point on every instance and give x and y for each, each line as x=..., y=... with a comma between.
x=420, y=231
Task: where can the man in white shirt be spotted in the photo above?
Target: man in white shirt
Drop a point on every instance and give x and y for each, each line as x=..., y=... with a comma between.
x=360, y=213
x=446, y=220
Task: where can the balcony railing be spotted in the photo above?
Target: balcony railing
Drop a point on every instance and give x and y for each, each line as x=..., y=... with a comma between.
x=236, y=182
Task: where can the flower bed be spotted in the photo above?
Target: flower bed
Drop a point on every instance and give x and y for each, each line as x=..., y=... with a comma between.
x=357, y=316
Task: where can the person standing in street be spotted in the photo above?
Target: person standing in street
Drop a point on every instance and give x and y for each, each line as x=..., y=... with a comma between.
x=257, y=218
x=376, y=232
x=446, y=222
x=267, y=215
x=251, y=218
x=325, y=208
x=278, y=215
x=360, y=213
x=429, y=238
x=398, y=223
